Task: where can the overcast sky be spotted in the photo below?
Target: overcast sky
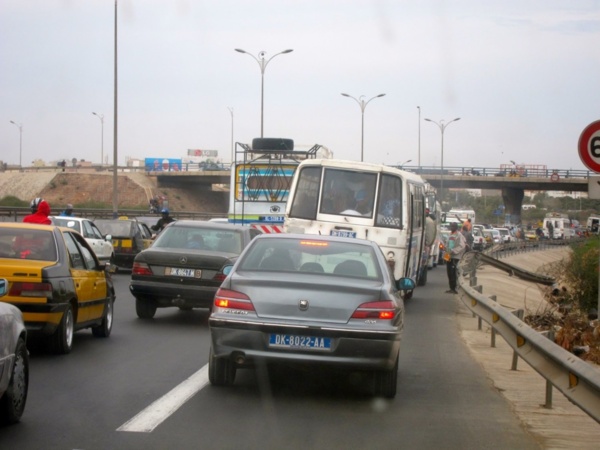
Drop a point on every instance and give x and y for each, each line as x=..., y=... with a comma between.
x=523, y=76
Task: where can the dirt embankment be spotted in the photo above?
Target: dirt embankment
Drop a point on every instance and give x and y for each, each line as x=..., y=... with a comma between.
x=96, y=190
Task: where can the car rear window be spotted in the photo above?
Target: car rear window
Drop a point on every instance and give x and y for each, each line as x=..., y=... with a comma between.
x=20, y=243
x=313, y=256
x=191, y=238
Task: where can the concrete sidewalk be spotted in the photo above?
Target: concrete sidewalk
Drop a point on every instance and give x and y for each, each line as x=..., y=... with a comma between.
x=564, y=426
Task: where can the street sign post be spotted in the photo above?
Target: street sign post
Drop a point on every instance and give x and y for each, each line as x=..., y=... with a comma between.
x=589, y=152
x=589, y=146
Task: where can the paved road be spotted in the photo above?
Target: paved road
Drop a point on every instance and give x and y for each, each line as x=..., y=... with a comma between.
x=79, y=401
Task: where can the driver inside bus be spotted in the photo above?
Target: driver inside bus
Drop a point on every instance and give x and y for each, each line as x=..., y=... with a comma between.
x=363, y=202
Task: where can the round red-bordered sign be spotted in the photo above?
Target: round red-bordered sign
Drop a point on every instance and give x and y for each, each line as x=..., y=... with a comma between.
x=589, y=146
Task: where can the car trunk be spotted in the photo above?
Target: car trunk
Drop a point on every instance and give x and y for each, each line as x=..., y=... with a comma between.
x=326, y=303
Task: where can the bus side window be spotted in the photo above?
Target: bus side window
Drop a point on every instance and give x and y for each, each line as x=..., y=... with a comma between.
x=389, y=213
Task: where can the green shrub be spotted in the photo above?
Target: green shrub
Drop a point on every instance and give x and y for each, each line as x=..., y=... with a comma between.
x=581, y=274
x=11, y=200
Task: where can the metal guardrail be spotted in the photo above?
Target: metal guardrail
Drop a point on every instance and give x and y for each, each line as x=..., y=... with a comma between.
x=576, y=379
x=16, y=214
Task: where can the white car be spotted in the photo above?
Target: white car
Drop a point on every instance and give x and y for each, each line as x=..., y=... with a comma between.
x=102, y=245
x=506, y=235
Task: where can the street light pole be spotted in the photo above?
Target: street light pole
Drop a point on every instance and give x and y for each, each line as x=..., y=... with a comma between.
x=20, y=127
x=262, y=63
x=101, y=117
x=232, y=155
x=363, y=104
x=442, y=127
x=419, y=154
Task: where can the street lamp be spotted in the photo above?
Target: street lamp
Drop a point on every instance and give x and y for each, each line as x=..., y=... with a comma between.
x=101, y=117
x=442, y=127
x=419, y=154
x=232, y=155
x=363, y=104
x=20, y=127
x=262, y=63
x=405, y=162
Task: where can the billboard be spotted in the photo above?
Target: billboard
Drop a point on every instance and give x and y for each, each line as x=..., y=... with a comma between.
x=162, y=164
x=205, y=153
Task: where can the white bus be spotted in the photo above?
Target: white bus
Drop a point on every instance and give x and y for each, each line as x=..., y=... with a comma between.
x=261, y=176
x=365, y=201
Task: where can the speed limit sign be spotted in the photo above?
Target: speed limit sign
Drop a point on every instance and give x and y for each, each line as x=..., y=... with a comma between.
x=589, y=146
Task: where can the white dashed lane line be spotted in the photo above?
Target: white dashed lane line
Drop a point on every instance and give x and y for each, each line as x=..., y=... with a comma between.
x=152, y=416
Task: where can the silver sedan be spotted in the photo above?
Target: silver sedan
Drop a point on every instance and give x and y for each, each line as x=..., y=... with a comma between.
x=317, y=301
x=14, y=361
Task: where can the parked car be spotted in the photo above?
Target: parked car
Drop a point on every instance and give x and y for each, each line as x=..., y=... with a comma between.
x=14, y=361
x=57, y=282
x=506, y=235
x=184, y=266
x=318, y=301
x=129, y=237
x=101, y=244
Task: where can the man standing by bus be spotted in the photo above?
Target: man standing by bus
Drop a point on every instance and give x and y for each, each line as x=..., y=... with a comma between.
x=456, y=247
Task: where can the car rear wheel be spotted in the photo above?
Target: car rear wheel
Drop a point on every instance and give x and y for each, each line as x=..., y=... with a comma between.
x=62, y=339
x=221, y=371
x=145, y=309
x=105, y=327
x=12, y=403
x=386, y=381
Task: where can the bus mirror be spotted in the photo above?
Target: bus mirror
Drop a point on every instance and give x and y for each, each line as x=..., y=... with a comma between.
x=406, y=284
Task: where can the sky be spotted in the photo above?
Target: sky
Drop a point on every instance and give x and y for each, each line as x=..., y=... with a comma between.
x=522, y=76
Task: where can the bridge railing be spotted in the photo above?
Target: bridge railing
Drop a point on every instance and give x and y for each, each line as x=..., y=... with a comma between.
x=497, y=172
x=576, y=379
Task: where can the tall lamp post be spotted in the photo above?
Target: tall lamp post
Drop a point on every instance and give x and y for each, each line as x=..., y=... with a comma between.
x=400, y=166
x=419, y=153
x=262, y=63
x=20, y=127
x=101, y=117
x=232, y=155
x=363, y=104
x=442, y=127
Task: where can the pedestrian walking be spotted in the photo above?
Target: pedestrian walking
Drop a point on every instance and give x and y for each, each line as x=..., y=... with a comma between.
x=455, y=248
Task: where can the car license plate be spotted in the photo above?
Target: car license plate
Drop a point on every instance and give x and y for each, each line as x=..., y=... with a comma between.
x=179, y=272
x=343, y=233
x=302, y=342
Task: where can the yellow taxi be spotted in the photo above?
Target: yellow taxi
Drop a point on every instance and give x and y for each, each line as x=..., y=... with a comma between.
x=128, y=236
x=56, y=280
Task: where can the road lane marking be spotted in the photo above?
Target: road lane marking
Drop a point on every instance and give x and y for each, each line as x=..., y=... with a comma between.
x=155, y=414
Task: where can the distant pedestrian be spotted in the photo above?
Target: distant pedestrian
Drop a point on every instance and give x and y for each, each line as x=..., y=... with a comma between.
x=68, y=211
x=550, y=230
x=165, y=220
x=455, y=248
x=466, y=232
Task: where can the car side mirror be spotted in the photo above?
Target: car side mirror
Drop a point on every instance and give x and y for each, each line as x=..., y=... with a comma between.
x=405, y=284
x=108, y=237
x=3, y=287
x=227, y=269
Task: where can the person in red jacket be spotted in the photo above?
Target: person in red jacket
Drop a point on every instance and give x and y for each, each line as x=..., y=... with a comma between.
x=41, y=214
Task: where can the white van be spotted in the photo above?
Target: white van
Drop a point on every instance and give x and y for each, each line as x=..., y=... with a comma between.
x=593, y=224
x=562, y=228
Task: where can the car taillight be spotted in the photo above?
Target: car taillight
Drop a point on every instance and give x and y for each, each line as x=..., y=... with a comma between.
x=141, y=269
x=226, y=298
x=31, y=290
x=220, y=276
x=385, y=310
